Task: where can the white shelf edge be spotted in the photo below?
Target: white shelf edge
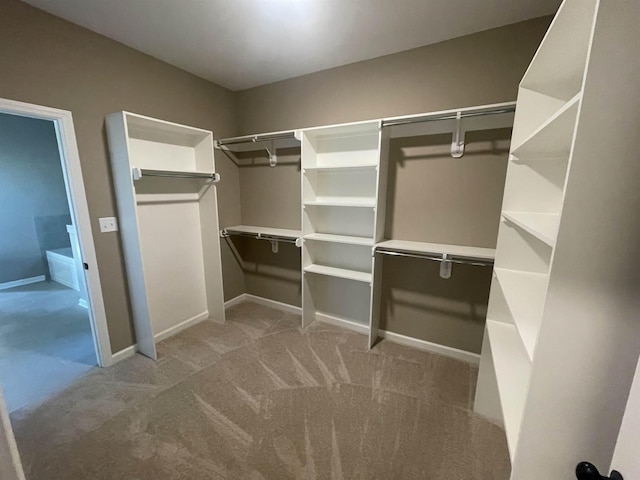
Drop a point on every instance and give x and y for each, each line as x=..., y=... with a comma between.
x=372, y=166
x=512, y=368
x=438, y=248
x=325, y=203
x=281, y=232
x=543, y=226
x=326, y=237
x=555, y=116
x=527, y=315
x=339, y=272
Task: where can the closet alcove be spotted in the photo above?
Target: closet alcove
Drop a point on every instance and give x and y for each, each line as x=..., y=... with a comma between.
x=439, y=204
x=164, y=176
x=266, y=243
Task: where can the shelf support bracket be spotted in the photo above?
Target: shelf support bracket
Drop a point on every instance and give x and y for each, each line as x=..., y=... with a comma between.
x=270, y=147
x=457, y=145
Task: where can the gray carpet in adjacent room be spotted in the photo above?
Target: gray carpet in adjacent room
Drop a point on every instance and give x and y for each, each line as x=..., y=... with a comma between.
x=45, y=342
x=260, y=398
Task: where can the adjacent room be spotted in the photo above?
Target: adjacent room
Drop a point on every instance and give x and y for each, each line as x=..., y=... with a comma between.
x=317, y=239
x=45, y=330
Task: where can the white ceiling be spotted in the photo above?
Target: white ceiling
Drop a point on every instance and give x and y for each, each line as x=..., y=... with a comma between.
x=245, y=43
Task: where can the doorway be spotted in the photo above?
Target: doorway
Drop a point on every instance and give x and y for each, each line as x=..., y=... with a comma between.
x=52, y=320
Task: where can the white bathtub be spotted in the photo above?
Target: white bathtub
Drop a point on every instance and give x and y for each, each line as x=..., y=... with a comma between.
x=62, y=267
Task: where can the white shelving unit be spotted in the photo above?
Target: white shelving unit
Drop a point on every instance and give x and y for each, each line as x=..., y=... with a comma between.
x=339, y=198
x=562, y=337
x=168, y=219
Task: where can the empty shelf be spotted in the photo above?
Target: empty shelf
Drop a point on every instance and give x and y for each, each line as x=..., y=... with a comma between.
x=342, y=167
x=553, y=138
x=512, y=369
x=438, y=248
x=276, y=232
x=325, y=237
x=339, y=272
x=525, y=294
x=543, y=226
x=368, y=202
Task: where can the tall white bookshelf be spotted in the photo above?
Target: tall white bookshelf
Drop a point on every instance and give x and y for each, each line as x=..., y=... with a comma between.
x=339, y=204
x=562, y=336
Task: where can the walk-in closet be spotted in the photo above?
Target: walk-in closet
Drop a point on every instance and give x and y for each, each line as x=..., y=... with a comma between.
x=327, y=241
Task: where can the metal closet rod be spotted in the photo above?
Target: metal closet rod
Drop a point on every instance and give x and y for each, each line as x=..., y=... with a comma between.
x=448, y=116
x=439, y=258
x=257, y=138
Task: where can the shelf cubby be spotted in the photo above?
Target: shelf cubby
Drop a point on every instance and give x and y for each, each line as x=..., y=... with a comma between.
x=535, y=187
x=338, y=220
x=519, y=250
x=524, y=294
x=558, y=67
x=552, y=139
x=512, y=368
x=338, y=255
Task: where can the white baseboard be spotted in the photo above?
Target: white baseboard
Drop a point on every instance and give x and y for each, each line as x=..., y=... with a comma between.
x=158, y=337
x=189, y=322
x=234, y=301
x=263, y=301
x=341, y=322
x=430, y=347
x=124, y=353
x=22, y=281
x=402, y=339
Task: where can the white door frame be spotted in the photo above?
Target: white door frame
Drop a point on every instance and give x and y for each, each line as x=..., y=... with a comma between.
x=70, y=160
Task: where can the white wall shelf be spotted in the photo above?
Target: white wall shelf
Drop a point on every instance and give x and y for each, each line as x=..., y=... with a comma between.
x=339, y=273
x=278, y=232
x=543, y=226
x=524, y=293
x=438, y=248
x=342, y=167
x=357, y=203
x=323, y=237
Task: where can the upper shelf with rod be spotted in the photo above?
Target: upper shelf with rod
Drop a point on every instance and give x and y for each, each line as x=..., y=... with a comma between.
x=444, y=253
x=164, y=149
x=456, y=122
x=274, y=235
x=269, y=142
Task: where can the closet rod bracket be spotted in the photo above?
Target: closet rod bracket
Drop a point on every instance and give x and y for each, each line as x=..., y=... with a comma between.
x=445, y=267
x=457, y=144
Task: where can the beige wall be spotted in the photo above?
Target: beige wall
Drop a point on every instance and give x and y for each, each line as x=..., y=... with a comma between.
x=477, y=69
x=48, y=61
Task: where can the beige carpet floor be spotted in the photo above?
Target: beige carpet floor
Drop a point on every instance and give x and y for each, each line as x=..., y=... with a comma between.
x=259, y=398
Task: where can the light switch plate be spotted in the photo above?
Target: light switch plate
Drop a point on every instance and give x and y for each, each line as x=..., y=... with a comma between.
x=108, y=224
